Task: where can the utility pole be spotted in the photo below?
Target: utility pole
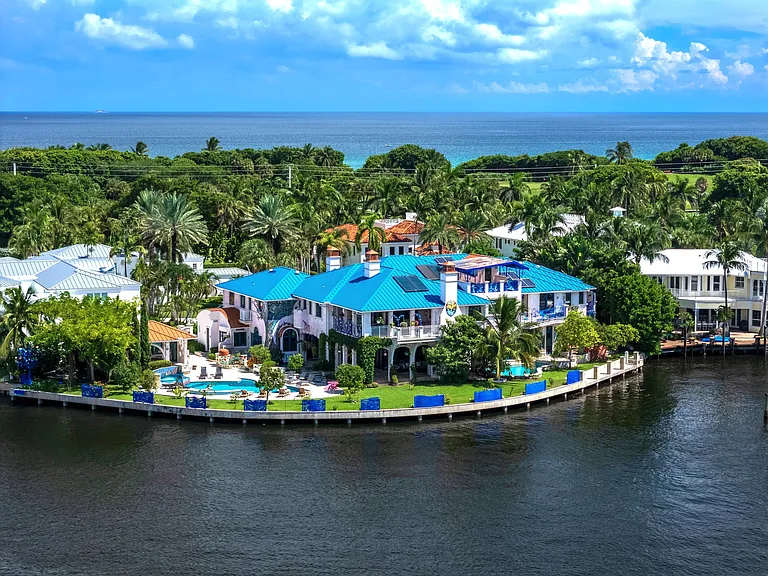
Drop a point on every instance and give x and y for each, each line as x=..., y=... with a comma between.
x=14, y=168
x=290, y=174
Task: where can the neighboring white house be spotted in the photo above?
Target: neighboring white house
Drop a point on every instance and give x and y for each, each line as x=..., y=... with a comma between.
x=506, y=237
x=77, y=277
x=701, y=291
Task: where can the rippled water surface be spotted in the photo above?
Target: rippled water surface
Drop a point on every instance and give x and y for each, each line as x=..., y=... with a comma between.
x=665, y=474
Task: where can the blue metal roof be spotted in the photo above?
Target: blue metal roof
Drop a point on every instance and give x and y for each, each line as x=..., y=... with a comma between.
x=547, y=280
x=267, y=286
x=349, y=288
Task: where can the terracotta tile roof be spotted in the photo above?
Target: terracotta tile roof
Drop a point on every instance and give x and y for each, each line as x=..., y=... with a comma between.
x=233, y=317
x=407, y=227
x=159, y=332
x=431, y=250
x=389, y=235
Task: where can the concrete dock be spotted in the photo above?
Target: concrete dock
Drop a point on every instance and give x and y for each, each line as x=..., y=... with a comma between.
x=594, y=377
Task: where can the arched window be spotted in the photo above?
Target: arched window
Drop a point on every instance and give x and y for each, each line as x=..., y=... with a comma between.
x=290, y=340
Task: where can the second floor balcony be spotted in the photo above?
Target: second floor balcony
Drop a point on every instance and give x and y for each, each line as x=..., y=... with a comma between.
x=245, y=315
x=556, y=313
x=429, y=332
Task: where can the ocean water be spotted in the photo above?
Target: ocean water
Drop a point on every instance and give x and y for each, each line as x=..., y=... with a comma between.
x=460, y=136
x=662, y=474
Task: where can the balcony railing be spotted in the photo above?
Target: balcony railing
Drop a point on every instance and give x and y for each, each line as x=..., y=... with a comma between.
x=347, y=327
x=245, y=315
x=406, y=333
x=498, y=287
x=556, y=313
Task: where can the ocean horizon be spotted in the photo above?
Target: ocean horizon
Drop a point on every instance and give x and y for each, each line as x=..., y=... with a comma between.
x=460, y=136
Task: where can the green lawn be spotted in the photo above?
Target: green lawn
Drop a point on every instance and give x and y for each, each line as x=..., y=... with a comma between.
x=400, y=396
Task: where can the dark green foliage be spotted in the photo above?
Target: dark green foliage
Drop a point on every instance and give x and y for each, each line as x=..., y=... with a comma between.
x=366, y=354
x=259, y=353
x=351, y=378
x=155, y=364
x=125, y=375
x=546, y=160
x=407, y=157
x=461, y=348
x=195, y=346
x=295, y=362
x=644, y=304
x=145, y=346
x=481, y=246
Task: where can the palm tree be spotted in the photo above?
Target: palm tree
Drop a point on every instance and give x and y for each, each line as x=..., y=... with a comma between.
x=645, y=241
x=230, y=212
x=515, y=187
x=438, y=229
x=728, y=257
x=274, y=220
x=212, y=145
x=256, y=254
x=334, y=238
x=140, y=149
x=325, y=156
x=178, y=224
x=102, y=146
x=375, y=234
x=507, y=338
x=686, y=324
x=620, y=154
x=18, y=320
x=307, y=151
x=471, y=225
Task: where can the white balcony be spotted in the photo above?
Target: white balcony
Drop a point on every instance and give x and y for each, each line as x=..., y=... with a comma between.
x=407, y=333
x=709, y=295
x=245, y=315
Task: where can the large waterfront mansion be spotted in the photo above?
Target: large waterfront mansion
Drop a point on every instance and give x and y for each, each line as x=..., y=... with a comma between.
x=405, y=298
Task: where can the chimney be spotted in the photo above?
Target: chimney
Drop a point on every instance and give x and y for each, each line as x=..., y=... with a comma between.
x=332, y=260
x=449, y=281
x=372, y=266
x=410, y=216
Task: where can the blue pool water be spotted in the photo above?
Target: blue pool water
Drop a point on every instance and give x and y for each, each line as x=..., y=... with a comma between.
x=229, y=386
x=516, y=371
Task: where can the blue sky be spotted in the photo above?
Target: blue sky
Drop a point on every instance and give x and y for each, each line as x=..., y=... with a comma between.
x=359, y=55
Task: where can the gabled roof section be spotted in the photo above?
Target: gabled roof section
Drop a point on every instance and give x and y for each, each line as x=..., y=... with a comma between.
x=159, y=332
x=349, y=288
x=230, y=271
x=268, y=285
x=390, y=234
x=407, y=227
x=77, y=251
x=233, y=316
x=548, y=280
x=8, y=283
x=24, y=269
x=63, y=276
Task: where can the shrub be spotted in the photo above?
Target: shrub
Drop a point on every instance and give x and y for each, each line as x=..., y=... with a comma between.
x=268, y=364
x=490, y=383
x=394, y=379
x=124, y=376
x=148, y=380
x=195, y=346
x=259, y=353
x=211, y=356
x=155, y=364
x=296, y=362
x=179, y=392
x=372, y=385
x=351, y=378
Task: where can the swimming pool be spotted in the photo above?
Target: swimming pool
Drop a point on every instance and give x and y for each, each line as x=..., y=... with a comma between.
x=518, y=370
x=230, y=386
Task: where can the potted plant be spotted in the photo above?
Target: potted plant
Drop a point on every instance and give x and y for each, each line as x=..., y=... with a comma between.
x=403, y=324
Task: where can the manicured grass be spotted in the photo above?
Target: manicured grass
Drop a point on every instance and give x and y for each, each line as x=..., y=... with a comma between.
x=400, y=396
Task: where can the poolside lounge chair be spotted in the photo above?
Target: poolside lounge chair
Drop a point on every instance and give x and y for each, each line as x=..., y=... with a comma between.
x=219, y=373
x=262, y=393
x=203, y=372
x=303, y=393
x=283, y=392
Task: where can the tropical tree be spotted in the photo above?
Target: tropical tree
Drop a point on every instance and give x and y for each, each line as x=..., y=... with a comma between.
x=471, y=225
x=141, y=149
x=728, y=257
x=576, y=332
x=369, y=229
x=256, y=254
x=686, y=323
x=507, y=338
x=438, y=229
x=620, y=154
x=212, y=145
x=645, y=241
x=18, y=320
x=333, y=238
x=270, y=378
x=274, y=220
x=178, y=224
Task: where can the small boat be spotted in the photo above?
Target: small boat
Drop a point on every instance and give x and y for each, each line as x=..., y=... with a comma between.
x=100, y=112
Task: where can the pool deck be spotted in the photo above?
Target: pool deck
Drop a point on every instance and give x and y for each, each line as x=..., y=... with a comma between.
x=592, y=378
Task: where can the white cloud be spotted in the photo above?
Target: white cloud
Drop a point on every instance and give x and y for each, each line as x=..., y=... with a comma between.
x=587, y=63
x=442, y=10
x=283, y=69
x=492, y=34
x=763, y=51
x=513, y=88
x=653, y=54
x=374, y=50
x=514, y=55
x=111, y=31
x=582, y=87
x=186, y=41
x=280, y=5
x=438, y=33
x=36, y=4
x=228, y=22
x=635, y=80
x=82, y=2
x=740, y=70
x=457, y=89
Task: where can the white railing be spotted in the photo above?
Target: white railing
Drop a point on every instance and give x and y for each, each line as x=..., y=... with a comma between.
x=245, y=315
x=680, y=293
x=407, y=333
